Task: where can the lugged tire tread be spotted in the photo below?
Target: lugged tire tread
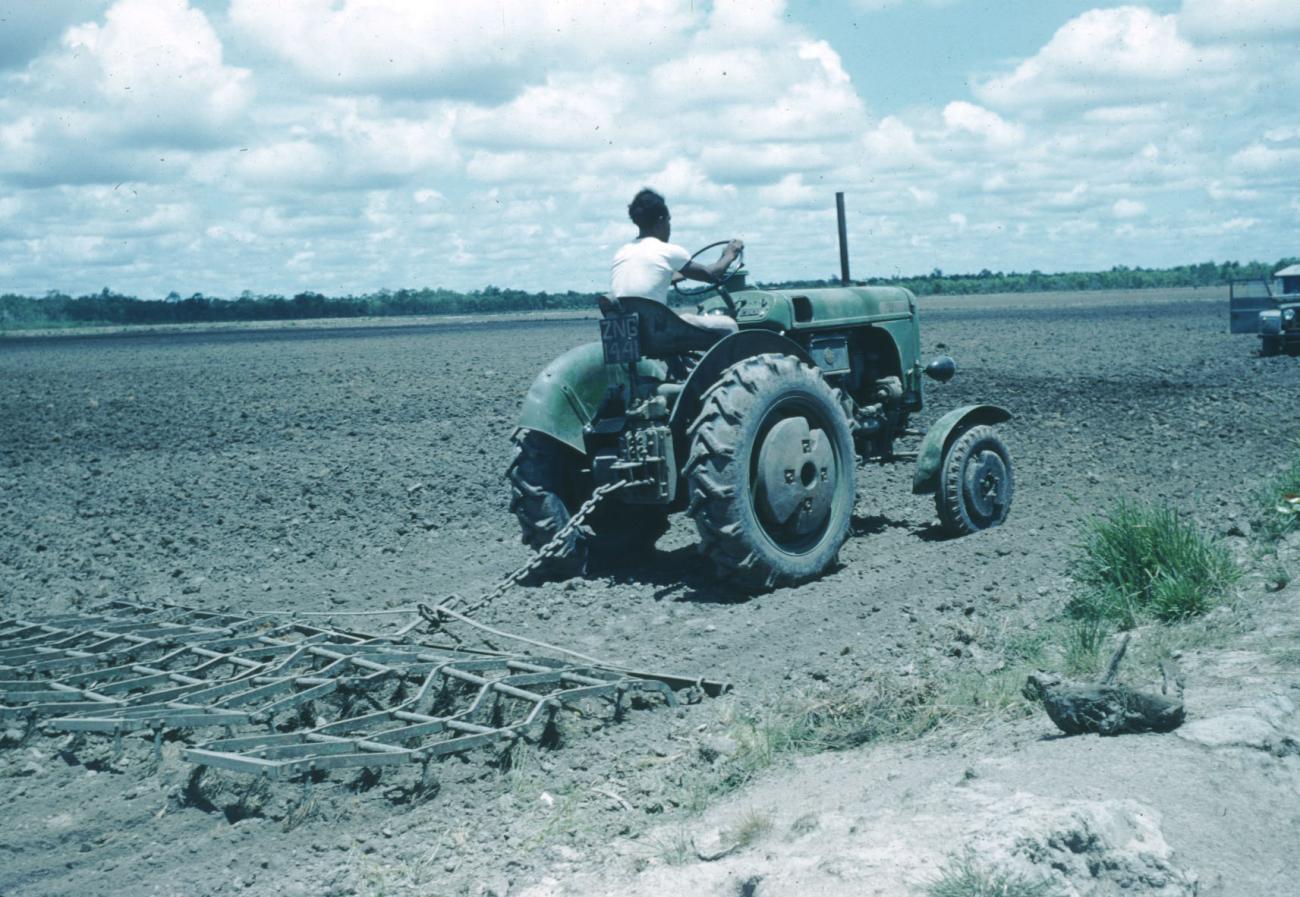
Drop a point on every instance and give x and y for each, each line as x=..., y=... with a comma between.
x=533, y=476
x=714, y=436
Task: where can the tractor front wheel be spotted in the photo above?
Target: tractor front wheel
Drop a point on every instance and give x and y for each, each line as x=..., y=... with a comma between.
x=771, y=472
x=975, y=483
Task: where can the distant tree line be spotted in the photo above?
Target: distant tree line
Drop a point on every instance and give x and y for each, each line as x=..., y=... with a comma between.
x=1120, y=277
x=107, y=307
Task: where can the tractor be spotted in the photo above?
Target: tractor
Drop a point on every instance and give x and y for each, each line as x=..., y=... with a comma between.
x=756, y=434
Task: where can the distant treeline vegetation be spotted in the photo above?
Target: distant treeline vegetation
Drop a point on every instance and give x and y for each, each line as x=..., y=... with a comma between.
x=107, y=307
x=1206, y=274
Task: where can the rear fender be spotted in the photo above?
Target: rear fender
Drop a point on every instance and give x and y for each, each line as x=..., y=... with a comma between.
x=726, y=352
x=564, y=397
x=941, y=435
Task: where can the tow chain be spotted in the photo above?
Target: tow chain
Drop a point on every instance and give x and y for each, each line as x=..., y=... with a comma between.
x=548, y=551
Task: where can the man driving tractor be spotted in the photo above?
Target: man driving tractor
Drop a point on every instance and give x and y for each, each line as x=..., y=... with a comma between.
x=648, y=265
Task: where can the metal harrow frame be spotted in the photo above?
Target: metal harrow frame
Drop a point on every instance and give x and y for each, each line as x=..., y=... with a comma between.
x=125, y=668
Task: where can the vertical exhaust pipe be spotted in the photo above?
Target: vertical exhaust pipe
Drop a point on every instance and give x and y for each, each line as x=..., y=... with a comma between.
x=844, y=240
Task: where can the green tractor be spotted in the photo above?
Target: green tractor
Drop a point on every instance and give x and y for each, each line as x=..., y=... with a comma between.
x=755, y=434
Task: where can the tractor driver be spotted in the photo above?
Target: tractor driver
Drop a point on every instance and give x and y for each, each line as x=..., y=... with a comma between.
x=648, y=265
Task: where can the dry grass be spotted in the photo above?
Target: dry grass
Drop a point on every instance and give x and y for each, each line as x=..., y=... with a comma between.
x=963, y=875
x=750, y=828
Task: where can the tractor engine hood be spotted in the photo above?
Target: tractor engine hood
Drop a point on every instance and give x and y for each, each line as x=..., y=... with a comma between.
x=823, y=308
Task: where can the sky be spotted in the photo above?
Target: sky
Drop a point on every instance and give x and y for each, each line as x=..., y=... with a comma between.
x=347, y=146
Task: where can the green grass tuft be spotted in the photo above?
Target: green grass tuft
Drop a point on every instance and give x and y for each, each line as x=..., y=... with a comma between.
x=1278, y=505
x=964, y=876
x=1147, y=561
x=1084, y=640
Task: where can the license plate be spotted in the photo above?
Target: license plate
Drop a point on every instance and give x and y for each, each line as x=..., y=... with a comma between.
x=620, y=337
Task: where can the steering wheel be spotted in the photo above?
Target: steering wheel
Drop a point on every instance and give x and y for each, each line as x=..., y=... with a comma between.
x=736, y=264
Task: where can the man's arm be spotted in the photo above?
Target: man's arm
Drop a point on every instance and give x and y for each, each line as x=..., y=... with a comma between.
x=712, y=273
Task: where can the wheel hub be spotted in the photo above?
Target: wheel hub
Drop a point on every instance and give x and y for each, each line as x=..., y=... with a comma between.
x=985, y=484
x=796, y=476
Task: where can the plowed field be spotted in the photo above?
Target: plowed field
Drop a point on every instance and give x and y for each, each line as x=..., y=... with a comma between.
x=355, y=469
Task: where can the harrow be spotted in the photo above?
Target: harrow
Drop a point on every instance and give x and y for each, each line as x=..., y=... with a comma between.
x=290, y=699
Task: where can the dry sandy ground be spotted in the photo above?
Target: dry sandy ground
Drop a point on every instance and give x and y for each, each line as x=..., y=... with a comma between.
x=361, y=468
x=1210, y=810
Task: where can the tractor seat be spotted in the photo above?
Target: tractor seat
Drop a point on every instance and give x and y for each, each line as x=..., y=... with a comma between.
x=663, y=334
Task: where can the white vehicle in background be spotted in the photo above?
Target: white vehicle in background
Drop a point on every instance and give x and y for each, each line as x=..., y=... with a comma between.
x=1269, y=307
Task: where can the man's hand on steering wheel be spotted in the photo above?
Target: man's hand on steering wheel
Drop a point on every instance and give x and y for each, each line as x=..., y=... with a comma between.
x=712, y=276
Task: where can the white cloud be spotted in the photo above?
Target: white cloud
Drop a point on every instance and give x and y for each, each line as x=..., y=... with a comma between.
x=1228, y=20
x=962, y=116
x=1106, y=56
x=812, y=99
x=145, y=89
x=924, y=198
x=683, y=179
x=1227, y=191
x=879, y=5
x=279, y=148
x=289, y=164
x=157, y=67
x=892, y=144
x=761, y=163
x=1074, y=198
x=474, y=50
x=1258, y=158
x=792, y=192
x=569, y=111
x=1128, y=115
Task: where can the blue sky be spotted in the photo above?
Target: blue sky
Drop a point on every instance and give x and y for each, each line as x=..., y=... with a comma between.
x=353, y=145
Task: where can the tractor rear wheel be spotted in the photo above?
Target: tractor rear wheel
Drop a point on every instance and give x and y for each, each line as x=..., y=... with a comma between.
x=975, y=483
x=547, y=487
x=771, y=472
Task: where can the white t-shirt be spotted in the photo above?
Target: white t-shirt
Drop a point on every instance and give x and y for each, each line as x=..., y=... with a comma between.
x=645, y=268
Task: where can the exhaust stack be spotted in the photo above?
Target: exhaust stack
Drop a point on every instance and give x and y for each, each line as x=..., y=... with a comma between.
x=844, y=240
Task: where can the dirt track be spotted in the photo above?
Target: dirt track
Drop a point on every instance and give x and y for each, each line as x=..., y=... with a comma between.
x=356, y=469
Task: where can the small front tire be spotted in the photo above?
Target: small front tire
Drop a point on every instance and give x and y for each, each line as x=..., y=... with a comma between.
x=975, y=483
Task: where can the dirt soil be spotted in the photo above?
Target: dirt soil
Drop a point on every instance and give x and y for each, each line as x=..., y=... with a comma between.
x=361, y=468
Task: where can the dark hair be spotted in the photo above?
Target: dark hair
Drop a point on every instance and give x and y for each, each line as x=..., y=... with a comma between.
x=647, y=207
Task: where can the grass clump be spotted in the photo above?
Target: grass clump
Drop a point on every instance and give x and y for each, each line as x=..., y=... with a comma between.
x=750, y=828
x=810, y=722
x=1148, y=561
x=965, y=876
x=1084, y=640
x=674, y=848
x=1278, y=504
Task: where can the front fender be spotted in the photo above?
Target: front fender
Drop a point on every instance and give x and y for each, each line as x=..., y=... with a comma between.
x=566, y=394
x=940, y=436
